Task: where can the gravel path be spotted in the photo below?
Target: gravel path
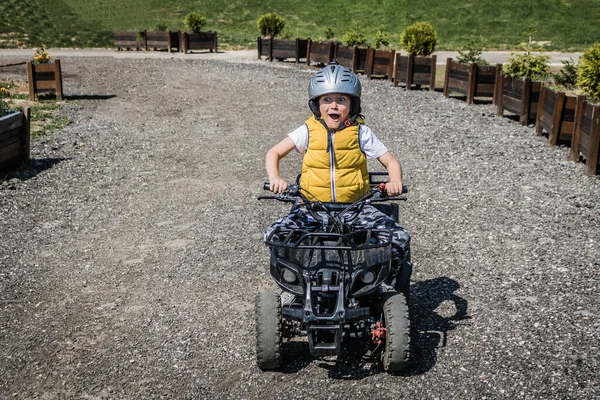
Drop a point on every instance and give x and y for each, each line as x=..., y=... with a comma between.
x=130, y=252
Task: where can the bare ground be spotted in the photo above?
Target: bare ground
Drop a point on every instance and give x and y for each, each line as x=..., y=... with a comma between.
x=131, y=251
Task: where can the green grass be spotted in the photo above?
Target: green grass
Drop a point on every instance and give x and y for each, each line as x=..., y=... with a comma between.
x=498, y=24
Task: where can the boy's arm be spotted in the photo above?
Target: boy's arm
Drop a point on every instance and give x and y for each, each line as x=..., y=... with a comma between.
x=272, y=158
x=394, y=186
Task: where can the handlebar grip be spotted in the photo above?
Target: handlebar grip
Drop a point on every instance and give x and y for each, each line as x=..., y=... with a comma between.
x=404, y=189
x=267, y=186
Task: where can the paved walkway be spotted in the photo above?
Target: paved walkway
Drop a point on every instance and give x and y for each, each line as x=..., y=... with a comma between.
x=491, y=56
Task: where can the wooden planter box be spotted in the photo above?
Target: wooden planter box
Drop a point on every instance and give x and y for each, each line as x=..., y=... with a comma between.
x=319, y=52
x=44, y=78
x=415, y=70
x=198, y=41
x=471, y=80
x=14, y=139
x=586, y=140
x=161, y=40
x=127, y=41
x=282, y=49
x=380, y=62
x=519, y=96
x=347, y=56
x=556, y=115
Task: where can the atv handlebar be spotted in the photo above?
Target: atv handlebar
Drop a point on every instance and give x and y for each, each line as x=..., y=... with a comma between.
x=294, y=189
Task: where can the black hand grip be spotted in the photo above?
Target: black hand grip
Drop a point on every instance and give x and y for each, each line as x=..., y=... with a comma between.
x=267, y=186
x=404, y=189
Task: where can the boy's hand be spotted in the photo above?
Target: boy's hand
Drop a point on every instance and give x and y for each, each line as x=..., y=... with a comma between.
x=393, y=188
x=278, y=185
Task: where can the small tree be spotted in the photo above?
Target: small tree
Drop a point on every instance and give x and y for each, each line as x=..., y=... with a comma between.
x=382, y=38
x=566, y=78
x=194, y=21
x=527, y=65
x=355, y=36
x=588, y=73
x=419, y=39
x=471, y=53
x=271, y=24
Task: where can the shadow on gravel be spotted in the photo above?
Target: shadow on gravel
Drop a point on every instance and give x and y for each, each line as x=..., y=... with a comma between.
x=35, y=167
x=90, y=96
x=428, y=333
x=429, y=328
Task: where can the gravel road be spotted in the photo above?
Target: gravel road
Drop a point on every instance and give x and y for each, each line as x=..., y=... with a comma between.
x=131, y=252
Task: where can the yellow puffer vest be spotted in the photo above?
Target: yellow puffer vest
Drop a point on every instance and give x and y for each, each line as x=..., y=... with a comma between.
x=340, y=175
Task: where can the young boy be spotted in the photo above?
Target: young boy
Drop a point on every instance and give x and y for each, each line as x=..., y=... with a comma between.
x=335, y=145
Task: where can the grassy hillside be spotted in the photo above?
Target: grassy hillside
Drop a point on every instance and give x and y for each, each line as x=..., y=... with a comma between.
x=499, y=24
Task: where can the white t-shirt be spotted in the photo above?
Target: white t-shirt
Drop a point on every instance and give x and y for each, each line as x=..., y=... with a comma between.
x=369, y=143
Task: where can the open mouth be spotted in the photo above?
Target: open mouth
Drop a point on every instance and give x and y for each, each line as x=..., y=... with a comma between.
x=334, y=116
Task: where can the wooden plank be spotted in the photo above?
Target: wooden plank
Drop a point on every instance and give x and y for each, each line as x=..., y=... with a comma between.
x=10, y=155
x=10, y=122
x=9, y=137
x=511, y=104
x=555, y=117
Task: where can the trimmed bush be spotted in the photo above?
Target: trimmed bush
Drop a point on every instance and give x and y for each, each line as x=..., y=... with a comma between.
x=195, y=22
x=419, y=39
x=355, y=36
x=271, y=24
x=588, y=73
x=382, y=39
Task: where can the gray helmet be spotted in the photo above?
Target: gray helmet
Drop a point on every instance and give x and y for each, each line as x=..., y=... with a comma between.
x=334, y=78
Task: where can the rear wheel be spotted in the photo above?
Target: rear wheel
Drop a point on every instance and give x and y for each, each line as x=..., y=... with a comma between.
x=397, y=342
x=268, y=330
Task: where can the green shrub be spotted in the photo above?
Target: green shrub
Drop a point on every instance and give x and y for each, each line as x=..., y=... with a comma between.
x=419, y=39
x=566, y=78
x=471, y=53
x=528, y=65
x=382, y=38
x=329, y=34
x=194, y=21
x=161, y=27
x=588, y=73
x=3, y=107
x=271, y=24
x=355, y=36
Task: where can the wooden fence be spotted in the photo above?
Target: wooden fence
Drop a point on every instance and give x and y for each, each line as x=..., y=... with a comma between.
x=15, y=139
x=556, y=115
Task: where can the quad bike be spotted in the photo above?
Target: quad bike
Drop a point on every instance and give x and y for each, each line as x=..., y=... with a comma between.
x=336, y=283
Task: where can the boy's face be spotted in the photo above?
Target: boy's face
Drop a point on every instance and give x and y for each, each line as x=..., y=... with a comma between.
x=334, y=108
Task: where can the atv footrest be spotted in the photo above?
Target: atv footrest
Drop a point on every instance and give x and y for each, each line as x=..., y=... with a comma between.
x=325, y=340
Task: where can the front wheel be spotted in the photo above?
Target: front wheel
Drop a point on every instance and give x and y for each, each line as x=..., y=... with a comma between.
x=268, y=330
x=397, y=325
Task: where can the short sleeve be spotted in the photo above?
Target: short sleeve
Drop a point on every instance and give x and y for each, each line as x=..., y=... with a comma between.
x=300, y=138
x=370, y=144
